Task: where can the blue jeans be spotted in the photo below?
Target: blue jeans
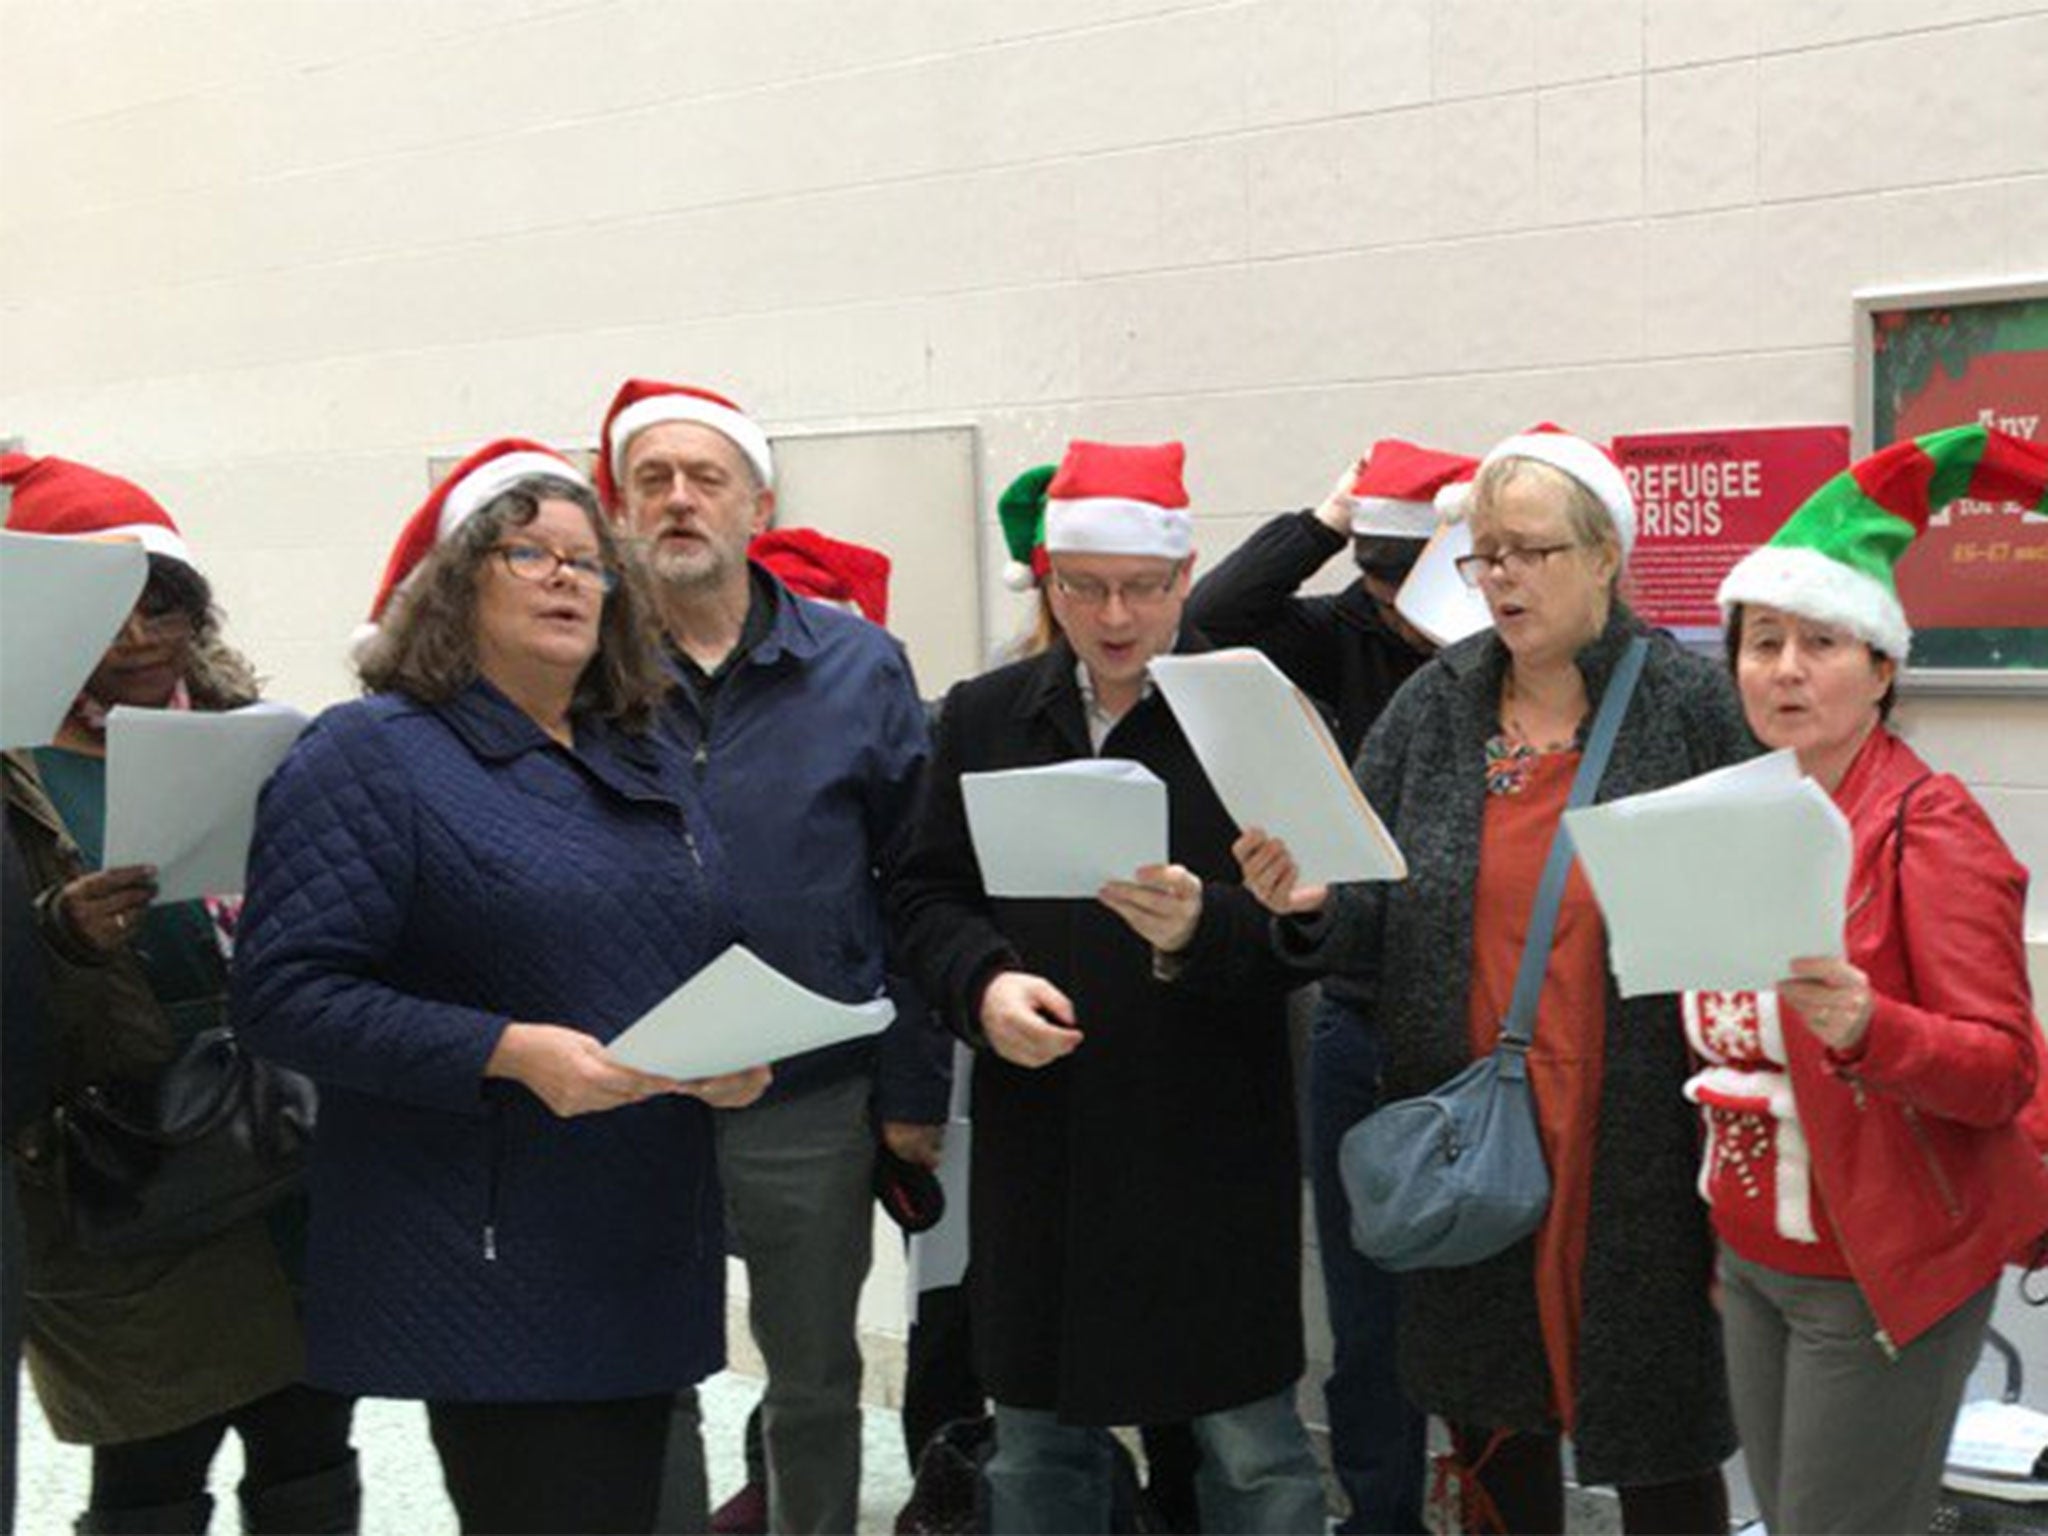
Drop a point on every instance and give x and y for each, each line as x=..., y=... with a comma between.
x=1257, y=1473
x=1378, y=1441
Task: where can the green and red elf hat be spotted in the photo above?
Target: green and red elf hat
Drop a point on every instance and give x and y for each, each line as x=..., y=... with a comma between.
x=1021, y=511
x=1833, y=560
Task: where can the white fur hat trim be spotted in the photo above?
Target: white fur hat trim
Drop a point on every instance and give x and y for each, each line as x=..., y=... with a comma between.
x=493, y=476
x=745, y=432
x=1810, y=584
x=1115, y=525
x=153, y=537
x=1386, y=517
x=1572, y=455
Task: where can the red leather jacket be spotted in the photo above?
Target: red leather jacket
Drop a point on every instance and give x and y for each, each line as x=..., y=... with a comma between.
x=1916, y=1135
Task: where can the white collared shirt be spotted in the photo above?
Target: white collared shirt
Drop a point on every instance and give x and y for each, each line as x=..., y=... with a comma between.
x=1099, y=720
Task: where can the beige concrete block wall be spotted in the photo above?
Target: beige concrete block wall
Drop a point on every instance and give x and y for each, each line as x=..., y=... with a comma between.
x=268, y=256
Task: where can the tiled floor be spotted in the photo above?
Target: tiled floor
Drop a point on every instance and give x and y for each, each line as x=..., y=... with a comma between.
x=402, y=1481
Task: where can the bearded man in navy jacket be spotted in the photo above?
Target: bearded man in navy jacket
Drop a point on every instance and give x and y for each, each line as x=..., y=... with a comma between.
x=806, y=734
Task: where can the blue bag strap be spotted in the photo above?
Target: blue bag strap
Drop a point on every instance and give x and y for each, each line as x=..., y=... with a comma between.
x=1520, y=1023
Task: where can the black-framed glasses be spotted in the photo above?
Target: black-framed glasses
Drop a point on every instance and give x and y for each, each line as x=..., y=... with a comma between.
x=537, y=563
x=1517, y=561
x=1139, y=592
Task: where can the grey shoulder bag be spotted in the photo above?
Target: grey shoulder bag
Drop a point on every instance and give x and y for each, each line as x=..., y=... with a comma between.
x=1458, y=1175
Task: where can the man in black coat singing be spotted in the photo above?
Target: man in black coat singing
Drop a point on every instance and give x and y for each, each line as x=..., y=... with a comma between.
x=1136, y=1242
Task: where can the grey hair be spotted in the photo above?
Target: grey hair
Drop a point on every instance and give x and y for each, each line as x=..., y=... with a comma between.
x=1589, y=520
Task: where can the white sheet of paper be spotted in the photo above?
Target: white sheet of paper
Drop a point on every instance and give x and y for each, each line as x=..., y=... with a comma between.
x=1719, y=882
x=1275, y=765
x=181, y=791
x=739, y=1011
x=938, y=1258
x=1435, y=598
x=61, y=602
x=2001, y=1440
x=1062, y=830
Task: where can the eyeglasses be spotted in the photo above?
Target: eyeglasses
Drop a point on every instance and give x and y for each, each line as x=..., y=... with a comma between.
x=1137, y=593
x=538, y=563
x=1518, y=561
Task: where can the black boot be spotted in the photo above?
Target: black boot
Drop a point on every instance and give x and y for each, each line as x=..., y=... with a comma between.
x=186, y=1519
x=326, y=1503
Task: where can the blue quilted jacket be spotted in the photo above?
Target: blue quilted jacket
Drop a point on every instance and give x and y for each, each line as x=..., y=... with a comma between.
x=421, y=875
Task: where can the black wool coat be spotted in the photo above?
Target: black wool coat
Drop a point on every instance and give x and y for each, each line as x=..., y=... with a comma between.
x=1652, y=1398
x=1334, y=646
x=1136, y=1205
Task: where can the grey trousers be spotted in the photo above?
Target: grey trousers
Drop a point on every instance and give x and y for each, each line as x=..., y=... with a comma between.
x=798, y=1176
x=1840, y=1436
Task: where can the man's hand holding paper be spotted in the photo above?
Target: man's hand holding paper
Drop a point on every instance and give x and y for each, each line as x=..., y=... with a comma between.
x=1029, y=1022
x=1161, y=902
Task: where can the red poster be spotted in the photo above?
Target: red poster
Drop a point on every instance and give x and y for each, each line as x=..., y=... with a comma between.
x=1706, y=499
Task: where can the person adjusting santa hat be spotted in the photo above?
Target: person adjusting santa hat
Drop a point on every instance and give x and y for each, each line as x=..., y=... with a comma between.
x=1583, y=461
x=1833, y=561
x=816, y=565
x=1119, y=499
x=60, y=498
x=644, y=403
x=1402, y=491
x=491, y=469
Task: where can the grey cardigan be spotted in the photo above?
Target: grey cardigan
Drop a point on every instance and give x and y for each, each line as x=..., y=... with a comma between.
x=1651, y=1401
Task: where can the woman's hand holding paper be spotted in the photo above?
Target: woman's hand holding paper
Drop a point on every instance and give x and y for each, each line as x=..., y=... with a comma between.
x=1271, y=875
x=731, y=1090
x=570, y=1072
x=1833, y=997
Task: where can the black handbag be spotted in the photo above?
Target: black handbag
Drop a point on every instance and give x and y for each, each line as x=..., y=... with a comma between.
x=219, y=1136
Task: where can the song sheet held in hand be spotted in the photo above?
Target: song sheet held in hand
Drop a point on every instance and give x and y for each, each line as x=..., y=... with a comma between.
x=1435, y=598
x=1275, y=765
x=62, y=602
x=1720, y=882
x=739, y=1011
x=181, y=791
x=1065, y=829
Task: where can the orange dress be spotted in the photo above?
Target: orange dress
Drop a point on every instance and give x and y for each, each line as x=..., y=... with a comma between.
x=1571, y=1017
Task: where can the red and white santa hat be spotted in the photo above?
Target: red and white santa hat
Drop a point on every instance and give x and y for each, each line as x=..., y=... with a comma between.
x=61, y=499
x=1586, y=462
x=816, y=565
x=1119, y=499
x=1402, y=491
x=643, y=403
x=491, y=469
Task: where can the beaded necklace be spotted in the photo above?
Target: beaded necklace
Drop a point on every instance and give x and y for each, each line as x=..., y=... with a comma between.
x=1510, y=753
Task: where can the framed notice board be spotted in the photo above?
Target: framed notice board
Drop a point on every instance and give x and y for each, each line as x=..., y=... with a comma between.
x=1975, y=585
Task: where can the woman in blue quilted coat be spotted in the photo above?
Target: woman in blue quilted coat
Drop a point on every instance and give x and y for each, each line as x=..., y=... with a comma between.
x=462, y=886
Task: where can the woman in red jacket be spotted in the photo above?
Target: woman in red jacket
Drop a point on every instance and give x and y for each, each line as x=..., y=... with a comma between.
x=1864, y=1162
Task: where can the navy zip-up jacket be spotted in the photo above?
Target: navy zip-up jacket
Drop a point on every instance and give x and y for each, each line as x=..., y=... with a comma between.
x=806, y=757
